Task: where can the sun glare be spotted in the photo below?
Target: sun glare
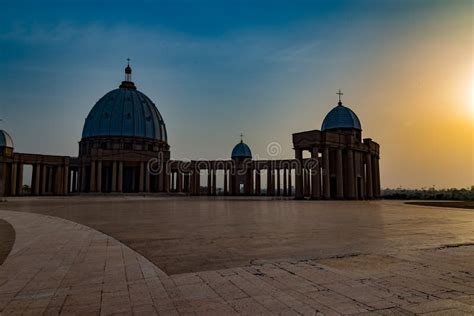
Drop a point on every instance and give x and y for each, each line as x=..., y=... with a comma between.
x=471, y=101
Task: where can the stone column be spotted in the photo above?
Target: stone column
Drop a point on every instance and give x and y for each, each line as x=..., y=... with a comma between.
x=209, y=181
x=78, y=180
x=147, y=180
x=80, y=187
x=269, y=180
x=326, y=175
x=183, y=182
x=187, y=182
x=377, y=176
x=173, y=176
x=99, y=176
x=350, y=174
x=171, y=181
x=231, y=180
x=51, y=182
x=236, y=180
x=66, y=179
x=120, y=177
x=57, y=180
x=14, y=175
x=160, y=180
x=379, y=184
x=214, y=182
x=192, y=182
x=303, y=179
x=114, y=176
x=179, y=181
x=258, y=182
x=290, y=189
x=251, y=190
x=368, y=176
x=306, y=186
x=299, y=174
x=44, y=179
x=166, y=178
x=339, y=175
x=278, y=174
x=37, y=179
x=74, y=181
x=19, y=179
x=198, y=182
x=274, y=181
x=315, y=176
x=141, y=177
x=246, y=180
x=225, y=182
x=285, y=182
x=82, y=179
x=52, y=179
x=93, y=177
x=3, y=176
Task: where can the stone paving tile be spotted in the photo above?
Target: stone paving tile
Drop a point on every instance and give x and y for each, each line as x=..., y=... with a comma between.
x=60, y=267
x=248, y=306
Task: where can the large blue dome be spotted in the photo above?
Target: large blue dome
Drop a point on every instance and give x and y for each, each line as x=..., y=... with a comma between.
x=341, y=117
x=125, y=112
x=241, y=150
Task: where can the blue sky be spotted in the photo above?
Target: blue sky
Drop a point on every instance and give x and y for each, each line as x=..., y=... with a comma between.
x=213, y=68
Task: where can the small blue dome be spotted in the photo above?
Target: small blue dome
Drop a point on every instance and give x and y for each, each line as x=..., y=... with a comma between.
x=341, y=117
x=125, y=112
x=241, y=150
x=5, y=139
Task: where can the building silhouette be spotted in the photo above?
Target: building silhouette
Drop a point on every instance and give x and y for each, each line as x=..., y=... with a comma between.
x=124, y=149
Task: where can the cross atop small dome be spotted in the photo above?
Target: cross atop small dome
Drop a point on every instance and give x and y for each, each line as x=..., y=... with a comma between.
x=340, y=93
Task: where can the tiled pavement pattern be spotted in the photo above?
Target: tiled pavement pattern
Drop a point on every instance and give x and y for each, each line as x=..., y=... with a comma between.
x=60, y=267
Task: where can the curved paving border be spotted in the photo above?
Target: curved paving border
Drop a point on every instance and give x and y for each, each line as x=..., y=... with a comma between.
x=60, y=267
x=7, y=239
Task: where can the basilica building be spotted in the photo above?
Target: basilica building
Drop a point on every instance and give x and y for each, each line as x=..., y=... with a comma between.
x=124, y=149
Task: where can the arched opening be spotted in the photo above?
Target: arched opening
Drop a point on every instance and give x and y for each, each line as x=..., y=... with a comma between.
x=26, y=184
x=130, y=179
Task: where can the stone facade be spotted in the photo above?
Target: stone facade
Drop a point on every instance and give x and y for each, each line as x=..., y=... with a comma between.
x=119, y=164
x=343, y=167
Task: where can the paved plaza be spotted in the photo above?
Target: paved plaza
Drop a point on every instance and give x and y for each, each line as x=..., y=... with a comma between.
x=175, y=256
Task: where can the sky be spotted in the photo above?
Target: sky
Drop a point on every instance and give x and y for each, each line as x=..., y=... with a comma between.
x=267, y=69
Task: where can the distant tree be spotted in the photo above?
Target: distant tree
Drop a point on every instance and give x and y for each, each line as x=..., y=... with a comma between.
x=25, y=189
x=465, y=194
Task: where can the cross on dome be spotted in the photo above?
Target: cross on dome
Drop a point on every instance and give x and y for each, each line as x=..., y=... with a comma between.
x=128, y=71
x=340, y=93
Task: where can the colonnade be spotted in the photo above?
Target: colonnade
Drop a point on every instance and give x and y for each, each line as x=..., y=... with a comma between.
x=46, y=179
x=243, y=179
x=237, y=179
x=330, y=173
